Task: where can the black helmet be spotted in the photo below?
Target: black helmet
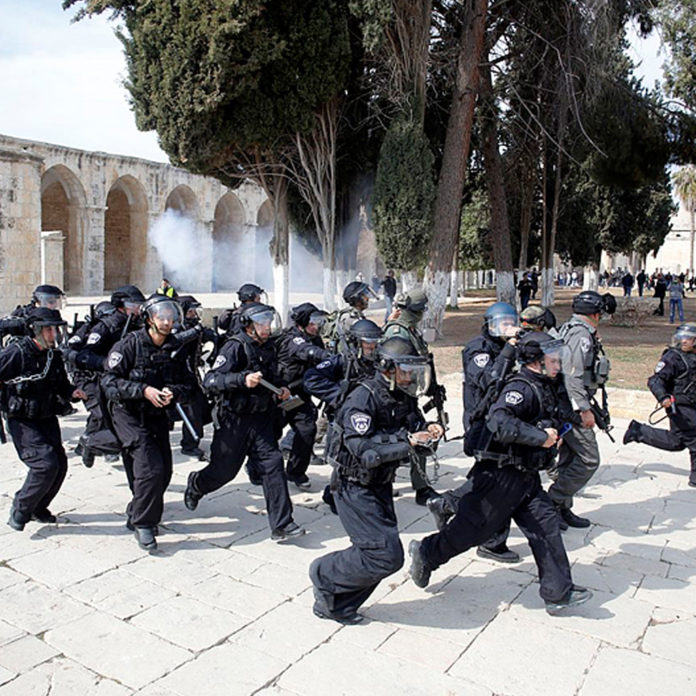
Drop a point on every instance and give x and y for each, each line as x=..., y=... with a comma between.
x=534, y=345
x=50, y=296
x=365, y=330
x=161, y=305
x=257, y=314
x=249, y=292
x=354, y=291
x=415, y=300
x=103, y=309
x=687, y=330
x=591, y=302
x=127, y=294
x=498, y=316
x=537, y=318
x=39, y=317
x=411, y=371
x=307, y=313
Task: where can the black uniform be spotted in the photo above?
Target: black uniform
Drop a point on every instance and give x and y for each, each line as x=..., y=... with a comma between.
x=298, y=351
x=134, y=363
x=675, y=375
x=244, y=427
x=506, y=483
x=87, y=353
x=36, y=390
x=375, y=423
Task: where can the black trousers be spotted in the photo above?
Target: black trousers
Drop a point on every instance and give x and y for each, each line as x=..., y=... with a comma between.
x=250, y=435
x=347, y=578
x=498, y=494
x=680, y=436
x=303, y=421
x=40, y=446
x=99, y=434
x=147, y=459
x=198, y=412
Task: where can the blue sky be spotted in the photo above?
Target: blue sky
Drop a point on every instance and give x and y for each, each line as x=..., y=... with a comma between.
x=61, y=82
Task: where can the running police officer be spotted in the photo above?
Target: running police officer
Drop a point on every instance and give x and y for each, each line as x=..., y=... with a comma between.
x=674, y=386
x=523, y=427
x=380, y=423
x=486, y=361
x=587, y=372
x=48, y=296
x=229, y=320
x=192, y=334
x=35, y=391
x=299, y=348
x=409, y=308
x=144, y=376
x=244, y=419
x=86, y=354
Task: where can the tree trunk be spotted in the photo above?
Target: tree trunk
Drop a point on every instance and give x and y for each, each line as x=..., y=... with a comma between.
x=455, y=156
x=409, y=279
x=526, y=217
x=500, y=224
x=280, y=247
x=590, y=277
x=454, y=283
x=693, y=233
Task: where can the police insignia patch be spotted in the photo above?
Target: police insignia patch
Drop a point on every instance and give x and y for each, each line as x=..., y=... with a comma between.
x=323, y=364
x=298, y=340
x=514, y=398
x=481, y=360
x=114, y=359
x=219, y=361
x=93, y=338
x=585, y=344
x=659, y=366
x=361, y=422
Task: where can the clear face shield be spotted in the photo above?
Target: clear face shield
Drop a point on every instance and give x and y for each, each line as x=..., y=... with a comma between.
x=685, y=338
x=557, y=359
x=412, y=376
x=194, y=315
x=266, y=323
x=50, y=300
x=164, y=315
x=132, y=307
x=367, y=347
x=503, y=325
x=316, y=321
x=50, y=335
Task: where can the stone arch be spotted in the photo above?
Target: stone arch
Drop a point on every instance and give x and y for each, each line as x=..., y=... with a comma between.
x=125, y=233
x=63, y=208
x=184, y=201
x=233, y=245
x=180, y=270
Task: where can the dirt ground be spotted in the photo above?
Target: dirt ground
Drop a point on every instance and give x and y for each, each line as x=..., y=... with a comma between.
x=633, y=351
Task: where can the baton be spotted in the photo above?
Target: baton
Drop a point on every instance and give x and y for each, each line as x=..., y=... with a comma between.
x=289, y=404
x=187, y=421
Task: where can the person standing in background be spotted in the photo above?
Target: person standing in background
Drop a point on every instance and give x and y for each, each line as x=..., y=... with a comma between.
x=389, y=285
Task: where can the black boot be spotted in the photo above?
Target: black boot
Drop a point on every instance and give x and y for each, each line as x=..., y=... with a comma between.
x=576, y=595
x=632, y=432
x=573, y=520
x=192, y=495
x=146, y=538
x=419, y=570
x=441, y=511
x=44, y=516
x=14, y=521
x=499, y=553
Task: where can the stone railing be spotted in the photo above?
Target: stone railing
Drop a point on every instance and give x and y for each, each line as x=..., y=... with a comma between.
x=633, y=311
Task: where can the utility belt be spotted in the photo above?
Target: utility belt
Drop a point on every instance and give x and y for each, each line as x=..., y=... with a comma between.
x=376, y=466
x=246, y=404
x=529, y=462
x=37, y=409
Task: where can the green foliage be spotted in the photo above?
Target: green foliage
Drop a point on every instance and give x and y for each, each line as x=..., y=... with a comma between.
x=685, y=186
x=475, y=252
x=374, y=15
x=678, y=24
x=403, y=196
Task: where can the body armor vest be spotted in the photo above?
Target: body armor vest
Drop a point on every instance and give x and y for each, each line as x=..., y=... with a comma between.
x=259, y=358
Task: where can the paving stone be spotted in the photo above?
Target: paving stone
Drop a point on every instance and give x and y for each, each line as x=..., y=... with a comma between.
x=157, y=569
x=8, y=633
x=17, y=544
x=668, y=592
x=119, y=593
x=635, y=564
x=63, y=677
x=599, y=577
x=618, y=671
x=224, y=669
x=361, y=672
x=277, y=578
x=238, y=565
x=9, y=577
x=189, y=623
x=6, y=675
x=672, y=640
x=236, y=596
x=25, y=653
x=277, y=634
x=368, y=635
x=116, y=649
x=416, y=648
x=520, y=672
x=35, y=608
x=680, y=572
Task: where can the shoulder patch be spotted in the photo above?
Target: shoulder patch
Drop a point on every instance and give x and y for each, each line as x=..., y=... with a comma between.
x=481, y=360
x=323, y=364
x=361, y=422
x=659, y=366
x=114, y=359
x=219, y=361
x=585, y=344
x=298, y=340
x=514, y=398
x=93, y=338
x=75, y=339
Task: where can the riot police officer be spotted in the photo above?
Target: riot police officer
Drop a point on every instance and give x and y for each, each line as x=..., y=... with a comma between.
x=49, y=296
x=247, y=294
x=538, y=318
x=522, y=437
x=674, y=386
x=244, y=419
x=357, y=296
x=486, y=361
x=299, y=348
x=587, y=372
x=379, y=424
x=35, y=391
x=144, y=376
x=86, y=355
x=409, y=308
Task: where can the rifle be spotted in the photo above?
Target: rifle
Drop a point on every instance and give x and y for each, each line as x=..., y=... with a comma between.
x=601, y=414
x=438, y=396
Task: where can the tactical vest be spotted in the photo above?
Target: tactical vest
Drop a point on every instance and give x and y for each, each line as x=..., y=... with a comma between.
x=34, y=394
x=597, y=365
x=410, y=333
x=685, y=382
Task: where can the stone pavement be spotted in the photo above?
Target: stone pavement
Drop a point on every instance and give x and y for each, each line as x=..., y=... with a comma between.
x=220, y=609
